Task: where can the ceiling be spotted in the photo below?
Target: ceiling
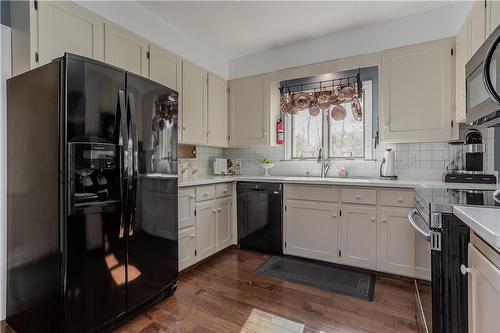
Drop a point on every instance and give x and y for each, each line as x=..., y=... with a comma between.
x=238, y=28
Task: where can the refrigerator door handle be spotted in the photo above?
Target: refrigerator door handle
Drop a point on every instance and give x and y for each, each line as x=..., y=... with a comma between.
x=133, y=144
x=123, y=142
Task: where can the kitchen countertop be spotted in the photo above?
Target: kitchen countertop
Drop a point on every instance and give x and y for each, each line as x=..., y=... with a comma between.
x=484, y=221
x=354, y=181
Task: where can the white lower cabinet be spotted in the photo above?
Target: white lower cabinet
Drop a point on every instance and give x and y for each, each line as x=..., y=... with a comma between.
x=187, y=247
x=356, y=226
x=396, y=242
x=311, y=230
x=205, y=222
x=358, y=232
x=206, y=239
x=224, y=225
x=484, y=292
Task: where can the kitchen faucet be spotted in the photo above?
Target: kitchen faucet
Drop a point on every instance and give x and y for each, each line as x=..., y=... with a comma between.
x=325, y=164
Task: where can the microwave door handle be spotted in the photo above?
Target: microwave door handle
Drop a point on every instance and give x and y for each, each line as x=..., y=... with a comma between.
x=123, y=142
x=486, y=70
x=426, y=234
x=133, y=141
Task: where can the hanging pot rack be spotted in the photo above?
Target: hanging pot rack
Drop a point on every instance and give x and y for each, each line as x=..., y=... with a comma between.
x=333, y=84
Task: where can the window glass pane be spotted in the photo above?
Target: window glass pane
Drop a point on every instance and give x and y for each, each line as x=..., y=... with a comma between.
x=347, y=136
x=307, y=134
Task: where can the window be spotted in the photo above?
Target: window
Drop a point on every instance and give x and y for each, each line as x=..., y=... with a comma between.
x=347, y=138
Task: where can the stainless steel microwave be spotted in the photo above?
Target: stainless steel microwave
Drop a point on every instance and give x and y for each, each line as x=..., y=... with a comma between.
x=482, y=74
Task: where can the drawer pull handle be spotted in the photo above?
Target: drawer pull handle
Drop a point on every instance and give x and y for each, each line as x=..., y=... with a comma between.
x=372, y=219
x=358, y=196
x=334, y=215
x=205, y=194
x=400, y=199
x=225, y=190
x=214, y=211
x=192, y=236
x=219, y=209
x=384, y=221
x=464, y=269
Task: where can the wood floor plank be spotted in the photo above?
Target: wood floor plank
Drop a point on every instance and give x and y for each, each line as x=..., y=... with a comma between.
x=219, y=295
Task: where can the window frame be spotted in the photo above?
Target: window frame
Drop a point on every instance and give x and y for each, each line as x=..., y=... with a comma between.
x=367, y=131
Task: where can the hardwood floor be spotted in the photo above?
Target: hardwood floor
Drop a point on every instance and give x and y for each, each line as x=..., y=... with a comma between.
x=219, y=295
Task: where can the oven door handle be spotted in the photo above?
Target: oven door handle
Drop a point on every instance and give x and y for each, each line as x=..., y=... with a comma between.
x=425, y=234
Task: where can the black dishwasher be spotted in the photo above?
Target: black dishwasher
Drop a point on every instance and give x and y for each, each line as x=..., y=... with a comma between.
x=260, y=216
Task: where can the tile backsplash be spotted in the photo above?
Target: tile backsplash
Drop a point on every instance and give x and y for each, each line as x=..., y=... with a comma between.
x=413, y=160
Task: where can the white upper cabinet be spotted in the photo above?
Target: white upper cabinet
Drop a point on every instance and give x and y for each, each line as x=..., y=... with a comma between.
x=476, y=25
x=217, y=111
x=461, y=58
x=165, y=67
x=64, y=27
x=492, y=16
x=41, y=34
x=418, y=92
x=250, y=112
x=125, y=50
x=358, y=234
x=194, y=105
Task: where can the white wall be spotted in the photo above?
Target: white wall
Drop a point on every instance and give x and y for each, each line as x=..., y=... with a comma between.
x=134, y=17
x=5, y=62
x=438, y=23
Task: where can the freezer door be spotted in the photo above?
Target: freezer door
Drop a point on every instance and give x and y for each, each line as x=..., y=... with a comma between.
x=92, y=100
x=152, y=199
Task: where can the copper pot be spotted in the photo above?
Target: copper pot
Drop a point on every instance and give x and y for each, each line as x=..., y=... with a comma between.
x=338, y=112
x=324, y=100
x=301, y=100
x=283, y=104
x=314, y=110
x=348, y=92
x=357, y=112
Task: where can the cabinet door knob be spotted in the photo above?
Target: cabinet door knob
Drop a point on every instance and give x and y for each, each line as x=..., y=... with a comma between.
x=358, y=196
x=225, y=190
x=400, y=199
x=372, y=219
x=384, y=221
x=334, y=215
x=219, y=209
x=184, y=128
x=192, y=236
x=214, y=211
x=265, y=133
x=464, y=269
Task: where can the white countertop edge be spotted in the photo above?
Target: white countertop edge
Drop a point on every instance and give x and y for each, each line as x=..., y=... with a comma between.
x=483, y=221
x=368, y=182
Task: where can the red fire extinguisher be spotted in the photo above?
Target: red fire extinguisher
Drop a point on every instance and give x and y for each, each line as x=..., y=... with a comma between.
x=280, y=132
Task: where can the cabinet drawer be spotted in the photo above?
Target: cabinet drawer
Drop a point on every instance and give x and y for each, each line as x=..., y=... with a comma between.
x=358, y=196
x=397, y=198
x=223, y=190
x=205, y=193
x=312, y=192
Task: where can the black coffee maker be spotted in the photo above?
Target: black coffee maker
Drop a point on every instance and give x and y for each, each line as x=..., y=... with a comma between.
x=474, y=150
x=471, y=169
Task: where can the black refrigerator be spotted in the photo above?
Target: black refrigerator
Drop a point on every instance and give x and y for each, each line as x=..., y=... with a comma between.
x=92, y=196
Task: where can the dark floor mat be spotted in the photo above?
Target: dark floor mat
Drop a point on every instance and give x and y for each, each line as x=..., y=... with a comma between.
x=322, y=276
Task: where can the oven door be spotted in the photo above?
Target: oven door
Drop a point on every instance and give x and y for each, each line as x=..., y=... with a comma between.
x=423, y=289
x=483, y=83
